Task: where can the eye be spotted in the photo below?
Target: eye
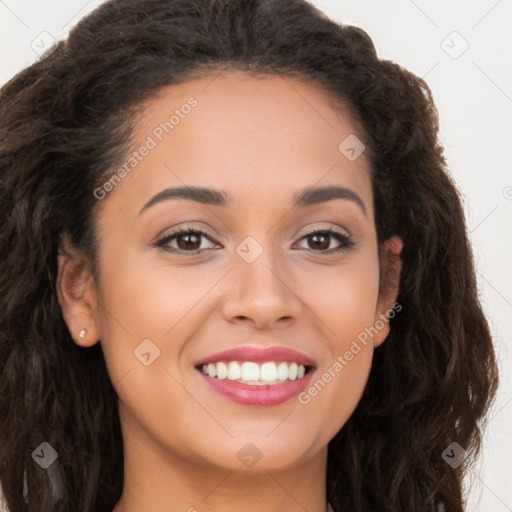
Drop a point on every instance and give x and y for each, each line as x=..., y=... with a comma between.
x=322, y=237
x=187, y=239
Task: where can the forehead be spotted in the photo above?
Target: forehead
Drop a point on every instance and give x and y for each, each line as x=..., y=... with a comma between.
x=261, y=138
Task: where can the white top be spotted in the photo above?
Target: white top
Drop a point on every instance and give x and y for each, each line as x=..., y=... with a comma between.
x=3, y=505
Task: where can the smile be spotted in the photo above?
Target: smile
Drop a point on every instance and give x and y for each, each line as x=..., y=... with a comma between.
x=256, y=376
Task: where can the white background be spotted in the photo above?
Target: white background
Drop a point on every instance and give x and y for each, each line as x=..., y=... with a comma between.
x=473, y=93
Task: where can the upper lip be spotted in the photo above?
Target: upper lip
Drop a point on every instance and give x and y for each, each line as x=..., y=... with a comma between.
x=258, y=354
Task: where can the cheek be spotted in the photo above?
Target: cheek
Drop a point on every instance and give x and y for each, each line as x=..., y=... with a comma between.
x=147, y=299
x=345, y=301
x=333, y=394
x=346, y=305
x=140, y=302
x=147, y=315
x=343, y=297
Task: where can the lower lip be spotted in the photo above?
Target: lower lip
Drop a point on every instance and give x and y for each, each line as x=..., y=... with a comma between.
x=257, y=395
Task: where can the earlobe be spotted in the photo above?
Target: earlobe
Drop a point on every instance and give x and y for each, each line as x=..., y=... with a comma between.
x=76, y=295
x=391, y=266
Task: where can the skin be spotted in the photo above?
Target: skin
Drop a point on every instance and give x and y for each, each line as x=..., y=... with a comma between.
x=261, y=140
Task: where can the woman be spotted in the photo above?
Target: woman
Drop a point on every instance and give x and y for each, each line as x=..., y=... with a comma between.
x=234, y=266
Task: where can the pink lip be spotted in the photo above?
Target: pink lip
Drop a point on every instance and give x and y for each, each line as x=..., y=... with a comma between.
x=259, y=355
x=258, y=395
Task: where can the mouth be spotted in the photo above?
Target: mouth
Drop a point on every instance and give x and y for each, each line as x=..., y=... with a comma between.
x=253, y=376
x=270, y=373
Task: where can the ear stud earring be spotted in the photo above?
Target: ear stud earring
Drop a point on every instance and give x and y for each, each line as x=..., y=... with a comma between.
x=81, y=334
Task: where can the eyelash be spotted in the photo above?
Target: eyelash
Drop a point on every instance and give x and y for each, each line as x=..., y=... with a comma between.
x=347, y=242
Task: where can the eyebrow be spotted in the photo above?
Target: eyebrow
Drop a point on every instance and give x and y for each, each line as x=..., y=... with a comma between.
x=306, y=197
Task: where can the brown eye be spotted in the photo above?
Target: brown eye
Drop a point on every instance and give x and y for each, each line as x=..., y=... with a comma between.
x=319, y=240
x=187, y=240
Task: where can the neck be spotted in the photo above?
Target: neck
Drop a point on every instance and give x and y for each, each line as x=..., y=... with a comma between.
x=156, y=481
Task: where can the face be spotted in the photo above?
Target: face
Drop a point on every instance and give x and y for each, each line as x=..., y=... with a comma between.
x=247, y=334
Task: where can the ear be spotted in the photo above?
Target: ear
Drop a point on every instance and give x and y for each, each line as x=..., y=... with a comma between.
x=76, y=294
x=391, y=266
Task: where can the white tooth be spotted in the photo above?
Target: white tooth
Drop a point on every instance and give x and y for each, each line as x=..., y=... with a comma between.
x=250, y=371
x=292, y=371
x=222, y=370
x=234, y=371
x=268, y=372
x=282, y=371
x=301, y=372
x=211, y=370
x=205, y=369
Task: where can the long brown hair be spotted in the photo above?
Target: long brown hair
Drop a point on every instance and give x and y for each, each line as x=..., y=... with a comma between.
x=66, y=122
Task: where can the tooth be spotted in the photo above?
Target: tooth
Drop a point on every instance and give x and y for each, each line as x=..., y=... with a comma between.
x=282, y=371
x=268, y=372
x=234, y=371
x=222, y=370
x=250, y=371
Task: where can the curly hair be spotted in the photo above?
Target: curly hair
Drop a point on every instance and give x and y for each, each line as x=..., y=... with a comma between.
x=67, y=120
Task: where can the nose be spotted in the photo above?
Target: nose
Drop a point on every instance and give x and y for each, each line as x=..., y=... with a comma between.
x=261, y=292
